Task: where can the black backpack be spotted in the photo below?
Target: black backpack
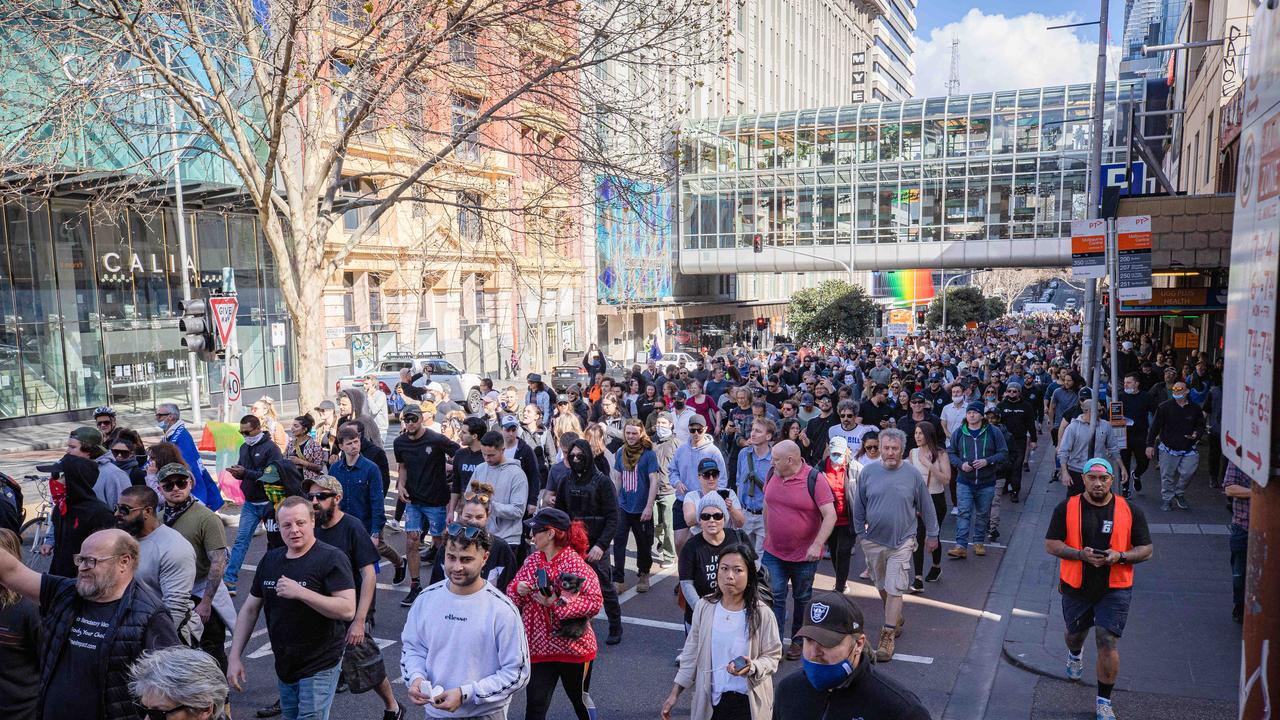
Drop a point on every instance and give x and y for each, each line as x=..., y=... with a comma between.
x=11, y=512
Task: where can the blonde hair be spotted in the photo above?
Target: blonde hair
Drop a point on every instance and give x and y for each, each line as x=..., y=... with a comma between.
x=566, y=423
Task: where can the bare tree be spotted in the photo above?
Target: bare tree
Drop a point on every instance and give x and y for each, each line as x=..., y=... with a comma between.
x=325, y=109
x=1008, y=284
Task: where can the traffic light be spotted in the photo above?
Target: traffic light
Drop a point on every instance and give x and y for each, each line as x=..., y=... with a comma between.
x=762, y=323
x=197, y=328
x=757, y=243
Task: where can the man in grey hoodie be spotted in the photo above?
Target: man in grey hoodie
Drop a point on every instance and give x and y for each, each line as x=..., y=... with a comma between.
x=1074, y=446
x=683, y=471
x=510, y=488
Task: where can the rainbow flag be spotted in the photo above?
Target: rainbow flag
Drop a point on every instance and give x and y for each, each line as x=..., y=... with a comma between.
x=911, y=287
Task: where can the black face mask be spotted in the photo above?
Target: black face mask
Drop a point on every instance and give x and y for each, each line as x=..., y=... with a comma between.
x=579, y=463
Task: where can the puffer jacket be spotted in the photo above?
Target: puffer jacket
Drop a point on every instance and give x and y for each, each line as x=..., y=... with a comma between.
x=542, y=622
x=985, y=443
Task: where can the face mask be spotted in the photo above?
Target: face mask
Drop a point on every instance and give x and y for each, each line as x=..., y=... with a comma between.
x=1134, y=391
x=957, y=399
x=679, y=403
x=579, y=463
x=1179, y=396
x=163, y=425
x=663, y=433
x=826, y=677
x=252, y=439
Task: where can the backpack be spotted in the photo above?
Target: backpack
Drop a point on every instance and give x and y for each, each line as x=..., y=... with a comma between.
x=811, y=482
x=11, y=511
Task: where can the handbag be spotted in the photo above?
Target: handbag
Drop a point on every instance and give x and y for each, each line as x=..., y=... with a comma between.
x=362, y=665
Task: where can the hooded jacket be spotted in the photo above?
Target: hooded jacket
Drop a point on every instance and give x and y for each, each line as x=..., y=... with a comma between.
x=591, y=498
x=360, y=414
x=1073, y=446
x=684, y=466
x=510, y=496
x=985, y=443
x=111, y=480
x=81, y=514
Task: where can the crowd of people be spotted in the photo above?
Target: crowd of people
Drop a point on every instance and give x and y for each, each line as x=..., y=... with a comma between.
x=745, y=471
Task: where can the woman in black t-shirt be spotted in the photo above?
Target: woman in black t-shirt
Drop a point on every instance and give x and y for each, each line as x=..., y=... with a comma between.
x=700, y=556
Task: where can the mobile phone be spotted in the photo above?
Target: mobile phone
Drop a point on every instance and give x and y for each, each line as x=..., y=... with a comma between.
x=723, y=493
x=544, y=582
x=740, y=663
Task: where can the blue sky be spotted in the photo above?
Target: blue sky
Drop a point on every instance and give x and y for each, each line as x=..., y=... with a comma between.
x=1006, y=44
x=935, y=13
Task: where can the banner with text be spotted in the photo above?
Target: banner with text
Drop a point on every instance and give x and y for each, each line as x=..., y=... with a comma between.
x=1088, y=248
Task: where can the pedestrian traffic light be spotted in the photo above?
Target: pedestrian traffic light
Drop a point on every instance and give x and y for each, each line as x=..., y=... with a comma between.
x=757, y=243
x=197, y=328
x=762, y=323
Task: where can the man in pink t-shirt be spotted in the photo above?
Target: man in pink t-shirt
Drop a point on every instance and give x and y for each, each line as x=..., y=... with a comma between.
x=796, y=526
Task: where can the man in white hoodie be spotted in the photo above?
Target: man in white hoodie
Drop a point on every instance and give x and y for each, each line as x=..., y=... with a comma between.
x=510, y=488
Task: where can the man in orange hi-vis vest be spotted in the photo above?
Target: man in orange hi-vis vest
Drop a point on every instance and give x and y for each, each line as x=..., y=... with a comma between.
x=1098, y=538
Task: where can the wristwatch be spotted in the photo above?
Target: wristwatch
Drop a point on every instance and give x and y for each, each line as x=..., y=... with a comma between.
x=1123, y=560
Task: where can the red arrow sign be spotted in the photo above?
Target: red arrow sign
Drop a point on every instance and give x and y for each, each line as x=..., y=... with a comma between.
x=1254, y=457
x=224, y=316
x=1231, y=442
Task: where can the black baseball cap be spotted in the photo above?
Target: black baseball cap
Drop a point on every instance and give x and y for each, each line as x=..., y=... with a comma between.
x=831, y=618
x=706, y=465
x=1085, y=394
x=919, y=396
x=548, y=518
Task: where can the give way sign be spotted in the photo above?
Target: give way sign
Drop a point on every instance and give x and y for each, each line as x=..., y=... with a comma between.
x=224, y=316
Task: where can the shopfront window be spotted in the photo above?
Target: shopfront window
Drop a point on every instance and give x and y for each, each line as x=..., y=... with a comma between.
x=39, y=332
x=78, y=299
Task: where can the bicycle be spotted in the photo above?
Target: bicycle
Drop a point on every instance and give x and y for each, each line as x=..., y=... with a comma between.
x=37, y=529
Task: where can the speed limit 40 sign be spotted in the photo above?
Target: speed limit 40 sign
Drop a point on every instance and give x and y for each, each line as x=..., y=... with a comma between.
x=231, y=385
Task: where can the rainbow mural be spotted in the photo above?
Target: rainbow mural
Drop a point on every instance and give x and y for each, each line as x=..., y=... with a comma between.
x=911, y=287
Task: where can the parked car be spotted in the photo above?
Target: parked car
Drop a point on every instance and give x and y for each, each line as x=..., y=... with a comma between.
x=1071, y=303
x=463, y=387
x=572, y=372
x=690, y=359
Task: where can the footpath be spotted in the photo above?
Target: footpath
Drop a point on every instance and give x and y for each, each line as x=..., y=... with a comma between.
x=1180, y=654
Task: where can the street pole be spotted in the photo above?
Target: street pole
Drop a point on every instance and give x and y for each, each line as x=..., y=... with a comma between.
x=1089, y=340
x=193, y=363
x=1113, y=245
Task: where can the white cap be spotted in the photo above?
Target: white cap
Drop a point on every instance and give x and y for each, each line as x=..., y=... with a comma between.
x=435, y=387
x=838, y=446
x=1126, y=345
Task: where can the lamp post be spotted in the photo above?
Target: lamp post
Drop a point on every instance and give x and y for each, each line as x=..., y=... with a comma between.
x=847, y=267
x=948, y=282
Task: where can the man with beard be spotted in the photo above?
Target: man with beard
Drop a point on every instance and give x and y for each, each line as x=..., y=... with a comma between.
x=344, y=532
x=166, y=561
x=77, y=513
x=99, y=616
x=204, y=530
x=479, y=657
x=588, y=495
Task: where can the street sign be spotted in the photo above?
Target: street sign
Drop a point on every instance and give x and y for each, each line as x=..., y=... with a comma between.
x=277, y=334
x=224, y=316
x=1133, y=242
x=1088, y=248
x=1255, y=249
x=231, y=386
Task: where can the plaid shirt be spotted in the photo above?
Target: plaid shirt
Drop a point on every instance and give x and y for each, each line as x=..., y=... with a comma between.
x=1239, y=506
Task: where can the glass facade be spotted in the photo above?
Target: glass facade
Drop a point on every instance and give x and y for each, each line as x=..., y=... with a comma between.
x=989, y=166
x=90, y=304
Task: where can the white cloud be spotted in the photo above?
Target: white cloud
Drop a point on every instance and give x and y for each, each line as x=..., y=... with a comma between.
x=1006, y=53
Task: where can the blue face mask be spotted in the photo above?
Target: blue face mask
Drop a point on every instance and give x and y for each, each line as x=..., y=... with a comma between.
x=663, y=433
x=826, y=677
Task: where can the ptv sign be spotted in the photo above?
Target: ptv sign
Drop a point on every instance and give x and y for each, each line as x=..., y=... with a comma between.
x=224, y=316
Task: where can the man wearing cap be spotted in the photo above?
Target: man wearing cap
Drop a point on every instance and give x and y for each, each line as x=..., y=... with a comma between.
x=86, y=442
x=1175, y=431
x=839, y=680
x=511, y=488
x=888, y=497
x=1098, y=537
x=977, y=449
x=344, y=532
x=937, y=395
x=204, y=530
x=1018, y=416
x=921, y=410
x=1076, y=443
x=489, y=403
x=422, y=457
x=515, y=448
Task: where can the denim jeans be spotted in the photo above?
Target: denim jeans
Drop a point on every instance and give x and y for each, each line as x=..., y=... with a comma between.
x=311, y=697
x=976, y=502
x=250, y=516
x=1239, y=544
x=800, y=575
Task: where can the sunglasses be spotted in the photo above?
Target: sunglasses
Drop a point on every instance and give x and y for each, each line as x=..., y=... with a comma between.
x=870, y=448
x=123, y=454
x=123, y=509
x=157, y=713
x=180, y=484
x=320, y=496
x=104, y=423
x=712, y=516
x=466, y=533
x=247, y=433
x=711, y=474
x=695, y=431
x=848, y=415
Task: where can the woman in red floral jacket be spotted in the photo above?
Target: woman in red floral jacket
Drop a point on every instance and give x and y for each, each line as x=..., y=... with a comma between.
x=557, y=594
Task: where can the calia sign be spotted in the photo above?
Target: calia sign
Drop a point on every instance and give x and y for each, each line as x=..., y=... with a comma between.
x=154, y=263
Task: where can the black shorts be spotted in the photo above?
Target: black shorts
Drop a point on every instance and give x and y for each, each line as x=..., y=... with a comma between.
x=1108, y=612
